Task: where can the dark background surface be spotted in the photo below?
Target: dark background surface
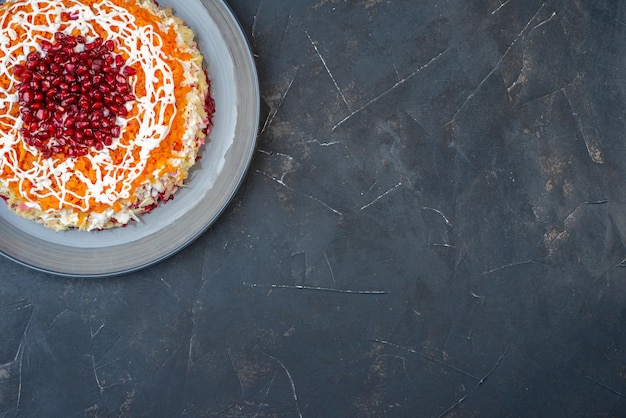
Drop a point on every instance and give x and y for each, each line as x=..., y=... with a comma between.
x=433, y=225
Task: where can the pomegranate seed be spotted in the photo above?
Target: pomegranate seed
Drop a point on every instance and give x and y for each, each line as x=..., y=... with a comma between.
x=27, y=96
x=69, y=121
x=63, y=95
x=82, y=70
x=60, y=58
x=42, y=114
x=70, y=43
x=72, y=98
x=46, y=46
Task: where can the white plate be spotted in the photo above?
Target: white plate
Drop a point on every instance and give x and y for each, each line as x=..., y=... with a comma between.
x=211, y=185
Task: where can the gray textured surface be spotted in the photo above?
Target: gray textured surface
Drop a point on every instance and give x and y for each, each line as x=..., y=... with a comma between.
x=432, y=226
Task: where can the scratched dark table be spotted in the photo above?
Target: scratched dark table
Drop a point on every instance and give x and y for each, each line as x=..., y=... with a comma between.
x=433, y=226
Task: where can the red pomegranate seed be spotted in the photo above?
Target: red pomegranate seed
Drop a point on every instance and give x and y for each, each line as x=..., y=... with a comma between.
x=27, y=96
x=72, y=98
x=42, y=114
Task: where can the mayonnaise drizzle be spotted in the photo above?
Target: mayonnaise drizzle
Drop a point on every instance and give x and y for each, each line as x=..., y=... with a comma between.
x=143, y=47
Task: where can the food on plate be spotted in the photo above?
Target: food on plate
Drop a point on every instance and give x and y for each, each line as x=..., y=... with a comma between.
x=104, y=107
